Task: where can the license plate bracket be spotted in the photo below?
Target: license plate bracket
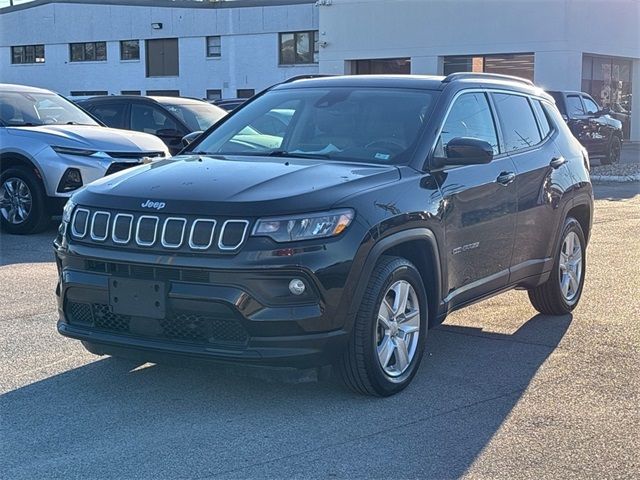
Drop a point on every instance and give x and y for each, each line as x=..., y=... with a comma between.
x=139, y=298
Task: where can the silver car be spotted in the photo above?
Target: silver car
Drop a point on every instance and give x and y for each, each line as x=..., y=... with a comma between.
x=49, y=148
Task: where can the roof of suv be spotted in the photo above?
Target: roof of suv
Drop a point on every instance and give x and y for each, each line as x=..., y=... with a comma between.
x=11, y=87
x=430, y=82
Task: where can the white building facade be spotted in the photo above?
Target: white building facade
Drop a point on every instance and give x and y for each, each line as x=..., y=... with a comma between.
x=587, y=45
x=224, y=49
x=235, y=48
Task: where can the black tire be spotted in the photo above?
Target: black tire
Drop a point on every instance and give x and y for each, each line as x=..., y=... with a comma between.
x=38, y=218
x=359, y=366
x=548, y=297
x=615, y=150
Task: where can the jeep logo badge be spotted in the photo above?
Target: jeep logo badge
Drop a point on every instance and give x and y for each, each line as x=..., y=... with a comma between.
x=156, y=205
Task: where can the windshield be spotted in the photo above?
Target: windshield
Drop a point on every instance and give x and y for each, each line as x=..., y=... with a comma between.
x=374, y=125
x=22, y=109
x=196, y=116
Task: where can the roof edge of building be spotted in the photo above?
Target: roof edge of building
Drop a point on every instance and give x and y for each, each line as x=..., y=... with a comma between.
x=161, y=3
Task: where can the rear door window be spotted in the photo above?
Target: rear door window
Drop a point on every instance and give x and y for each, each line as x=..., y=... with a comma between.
x=113, y=114
x=150, y=119
x=518, y=122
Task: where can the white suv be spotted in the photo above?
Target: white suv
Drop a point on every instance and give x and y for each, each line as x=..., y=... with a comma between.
x=49, y=148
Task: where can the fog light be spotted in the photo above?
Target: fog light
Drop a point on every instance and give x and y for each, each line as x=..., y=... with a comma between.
x=71, y=180
x=297, y=286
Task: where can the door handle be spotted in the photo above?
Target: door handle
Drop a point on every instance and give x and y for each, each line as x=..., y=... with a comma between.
x=557, y=162
x=505, y=178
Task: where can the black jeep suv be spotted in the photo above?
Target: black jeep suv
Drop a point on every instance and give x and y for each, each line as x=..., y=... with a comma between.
x=388, y=202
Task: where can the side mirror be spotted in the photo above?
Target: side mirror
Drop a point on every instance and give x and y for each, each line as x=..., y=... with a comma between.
x=466, y=151
x=605, y=111
x=187, y=139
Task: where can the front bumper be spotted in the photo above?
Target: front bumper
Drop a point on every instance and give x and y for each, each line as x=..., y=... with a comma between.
x=54, y=166
x=242, y=315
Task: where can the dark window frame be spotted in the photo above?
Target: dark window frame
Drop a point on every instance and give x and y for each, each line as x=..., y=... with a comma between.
x=123, y=51
x=314, y=47
x=215, y=91
x=94, y=47
x=244, y=93
x=208, y=48
x=38, y=57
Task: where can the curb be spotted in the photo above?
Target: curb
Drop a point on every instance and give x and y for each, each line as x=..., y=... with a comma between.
x=615, y=178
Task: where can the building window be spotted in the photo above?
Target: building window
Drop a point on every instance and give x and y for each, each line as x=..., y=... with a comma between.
x=88, y=52
x=130, y=50
x=27, y=54
x=298, y=48
x=214, y=94
x=609, y=81
x=392, y=66
x=130, y=92
x=164, y=93
x=162, y=57
x=245, y=92
x=87, y=93
x=516, y=64
x=213, y=46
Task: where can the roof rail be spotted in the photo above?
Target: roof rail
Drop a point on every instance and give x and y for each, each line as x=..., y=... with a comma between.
x=489, y=76
x=305, y=77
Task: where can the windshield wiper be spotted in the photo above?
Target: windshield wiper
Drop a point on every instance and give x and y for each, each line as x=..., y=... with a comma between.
x=284, y=153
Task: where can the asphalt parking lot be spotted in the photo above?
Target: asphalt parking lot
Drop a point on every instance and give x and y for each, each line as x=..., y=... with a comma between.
x=502, y=392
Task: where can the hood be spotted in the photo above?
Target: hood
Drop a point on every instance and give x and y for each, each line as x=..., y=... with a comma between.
x=248, y=186
x=91, y=137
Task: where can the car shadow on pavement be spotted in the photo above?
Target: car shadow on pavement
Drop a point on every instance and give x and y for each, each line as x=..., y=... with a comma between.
x=115, y=418
x=28, y=248
x=616, y=191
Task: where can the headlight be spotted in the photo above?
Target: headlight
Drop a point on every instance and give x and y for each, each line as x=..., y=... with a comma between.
x=73, y=151
x=304, y=226
x=67, y=211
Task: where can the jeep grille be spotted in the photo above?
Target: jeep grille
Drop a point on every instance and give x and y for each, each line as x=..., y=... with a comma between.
x=158, y=232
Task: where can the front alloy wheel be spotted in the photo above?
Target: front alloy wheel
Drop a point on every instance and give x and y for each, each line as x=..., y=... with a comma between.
x=398, y=328
x=15, y=201
x=389, y=331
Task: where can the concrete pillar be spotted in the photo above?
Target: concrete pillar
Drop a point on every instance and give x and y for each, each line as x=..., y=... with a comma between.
x=635, y=101
x=558, y=70
x=430, y=65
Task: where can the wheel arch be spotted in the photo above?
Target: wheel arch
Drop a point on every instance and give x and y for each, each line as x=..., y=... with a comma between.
x=14, y=159
x=420, y=247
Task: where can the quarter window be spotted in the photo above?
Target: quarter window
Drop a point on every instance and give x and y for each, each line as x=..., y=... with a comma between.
x=130, y=50
x=518, y=122
x=27, y=54
x=214, y=46
x=470, y=116
x=543, y=121
x=298, y=48
x=88, y=52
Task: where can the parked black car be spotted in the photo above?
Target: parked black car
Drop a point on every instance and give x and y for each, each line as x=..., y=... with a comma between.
x=388, y=202
x=592, y=125
x=169, y=118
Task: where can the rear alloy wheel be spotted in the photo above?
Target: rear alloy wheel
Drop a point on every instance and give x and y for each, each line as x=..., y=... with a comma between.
x=560, y=294
x=388, y=337
x=22, y=209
